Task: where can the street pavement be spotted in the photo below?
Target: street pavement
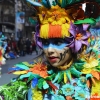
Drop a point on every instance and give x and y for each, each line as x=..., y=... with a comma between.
x=5, y=77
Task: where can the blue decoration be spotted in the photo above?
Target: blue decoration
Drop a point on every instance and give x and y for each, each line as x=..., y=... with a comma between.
x=34, y=82
x=15, y=69
x=34, y=3
x=30, y=94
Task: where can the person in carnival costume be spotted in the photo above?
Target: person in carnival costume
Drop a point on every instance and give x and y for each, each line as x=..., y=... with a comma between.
x=71, y=47
x=3, y=46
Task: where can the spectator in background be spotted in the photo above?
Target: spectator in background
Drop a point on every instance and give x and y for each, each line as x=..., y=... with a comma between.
x=34, y=48
x=14, y=47
x=8, y=48
x=28, y=44
x=21, y=46
x=30, y=50
x=10, y=53
x=24, y=49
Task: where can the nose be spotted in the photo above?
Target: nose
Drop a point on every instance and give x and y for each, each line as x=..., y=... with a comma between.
x=50, y=49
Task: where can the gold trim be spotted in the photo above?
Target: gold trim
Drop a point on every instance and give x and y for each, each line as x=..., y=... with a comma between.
x=66, y=66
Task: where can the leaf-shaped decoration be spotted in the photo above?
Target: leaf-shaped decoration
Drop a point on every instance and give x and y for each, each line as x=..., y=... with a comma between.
x=87, y=20
x=45, y=85
x=40, y=83
x=27, y=64
x=61, y=77
x=46, y=3
x=22, y=66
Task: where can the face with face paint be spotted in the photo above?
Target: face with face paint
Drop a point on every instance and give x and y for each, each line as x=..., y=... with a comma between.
x=56, y=51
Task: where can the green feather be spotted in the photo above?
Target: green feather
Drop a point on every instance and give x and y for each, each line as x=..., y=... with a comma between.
x=45, y=85
x=56, y=78
x=50, y=77
x=75, y=72
x=60, y=77
x=30, y=78
x=22, y=66
x=87, y=20
x=68, y=73
x=40, y=83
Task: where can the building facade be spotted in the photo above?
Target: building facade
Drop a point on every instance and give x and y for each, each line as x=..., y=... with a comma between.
x=14, y=18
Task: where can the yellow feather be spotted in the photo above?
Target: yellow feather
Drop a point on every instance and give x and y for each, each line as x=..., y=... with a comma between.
x=65, y=77
x=41, y=18
x=59, y=22
x=54, y=23
x=64, y=31
x=50, y=20
x=20, y=72
x=44, y=31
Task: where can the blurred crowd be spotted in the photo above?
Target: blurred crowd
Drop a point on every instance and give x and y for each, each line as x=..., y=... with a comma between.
x=19, y=48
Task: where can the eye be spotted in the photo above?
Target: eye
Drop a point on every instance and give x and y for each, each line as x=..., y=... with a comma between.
x=45, y=42
x=58, y=42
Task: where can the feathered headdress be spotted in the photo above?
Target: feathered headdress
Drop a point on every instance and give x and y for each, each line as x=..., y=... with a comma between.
x=64, y=19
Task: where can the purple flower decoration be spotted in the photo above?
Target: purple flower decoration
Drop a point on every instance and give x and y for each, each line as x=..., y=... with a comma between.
x=37, y=36
x=80, y=35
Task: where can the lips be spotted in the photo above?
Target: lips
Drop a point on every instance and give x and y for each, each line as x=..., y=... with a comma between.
x=53, y=59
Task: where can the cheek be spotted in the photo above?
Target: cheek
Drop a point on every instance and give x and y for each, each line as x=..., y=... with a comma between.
x=65, y=53
x=68, y=54
x=45, y=51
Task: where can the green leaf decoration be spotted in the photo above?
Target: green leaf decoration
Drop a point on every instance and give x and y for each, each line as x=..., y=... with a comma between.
x=60, y=77
x=8, y=93
x=53, y=3
x=28, y=75
x=79, y=65
x=50, y=77
x=98, y=68
x=14, y=91
x=50, y=71
x=27, y=64
x=89, y=76
x=45, y=85
x=65, y=3
x=56, y=78
x=50, y=91
x=46, y=3
x=62, y=3
x=22, y=66
x=75, y=72
x=86, y=21
x=60, y=92
x=40, y=83
x=30, y=78
x=68, y=73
